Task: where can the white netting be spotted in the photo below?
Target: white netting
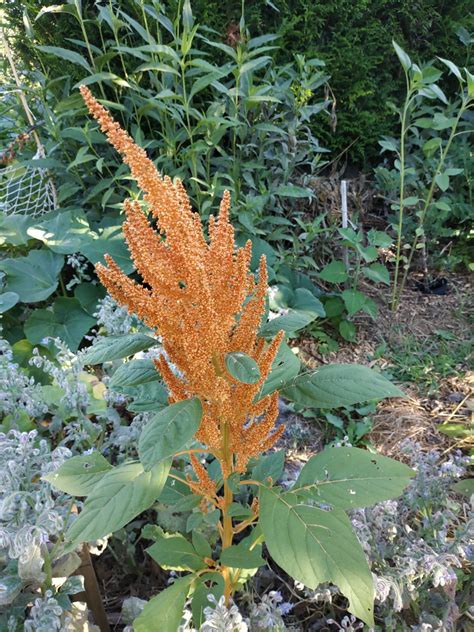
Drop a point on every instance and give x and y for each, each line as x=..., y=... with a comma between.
x=26, y=190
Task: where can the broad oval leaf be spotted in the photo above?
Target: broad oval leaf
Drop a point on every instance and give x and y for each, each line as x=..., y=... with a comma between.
x=79, y=475
x=292, y=190
x=121, y=495
x=378, y=273
x=151, y=396
x=108, y=240
x=354, y=301
x=316, y=546
x=334, y=272
x=337, y=385
x=349, y=477
x=63, y=233
x=34, y=277
x=115, y=347
x=8, y=300
x=134, y=373
x=67, y=321
x=240, y=556
x=176, y=553
x=169, y=431
x=290, y=322
x=242, y=367
x=166, y=609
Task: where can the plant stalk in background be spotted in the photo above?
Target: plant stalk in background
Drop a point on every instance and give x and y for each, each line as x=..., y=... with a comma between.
x=420, y=84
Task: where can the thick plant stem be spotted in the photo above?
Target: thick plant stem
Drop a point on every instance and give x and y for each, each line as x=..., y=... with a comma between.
x=227, y=538
x=227, y=528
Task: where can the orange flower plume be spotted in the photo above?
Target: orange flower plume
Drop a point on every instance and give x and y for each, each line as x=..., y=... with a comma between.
x=201, y=298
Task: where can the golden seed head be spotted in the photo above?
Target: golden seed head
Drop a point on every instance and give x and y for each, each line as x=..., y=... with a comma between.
x=202, y=299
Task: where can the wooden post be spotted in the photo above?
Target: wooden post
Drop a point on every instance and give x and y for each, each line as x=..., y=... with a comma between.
x=92, y=594
x=345, y=218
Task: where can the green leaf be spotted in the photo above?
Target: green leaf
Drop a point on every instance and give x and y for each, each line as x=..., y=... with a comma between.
x=95, y=78
x=157, y=67
x=291, y=190
x=64, y=233
x=203, y=82
x=201, y=593
x=236, y=510
x=239, y=556
x=169, y=431
x=402, y=56
x=457, y=431
x=465, y=487
x=411, y=201
x=151, y=396
x=8, y=300
x=79, y=475
x=370, y=308
x=379, y=238
x=316, y=546
x=285, y=368
x=13, y=229
x=353, y=300
x=300, y=300
x=89, y=296
x=109, y=240
x=166, y=609
x=347, y=330
x=34, y=277
x=134, y=373
x=201, y=545
x=176, y=553
x=269, y=465
x=334, y=272
x=67, y=321
x=242, y=367
x=337, y=385
x=453, y=68
x=119, y=497
x=65, y=54
x=290, y=322
x=442, y=205
x=347, y=478
x=470, y=83
x=115, y=347
x=429, y=149
x=378, y=273
x=442, y=180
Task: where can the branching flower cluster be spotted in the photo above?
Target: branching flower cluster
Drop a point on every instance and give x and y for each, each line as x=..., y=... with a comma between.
x=203, y=300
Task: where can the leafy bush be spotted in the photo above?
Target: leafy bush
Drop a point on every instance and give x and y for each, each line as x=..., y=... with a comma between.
x=425, y=162
x=350, y=36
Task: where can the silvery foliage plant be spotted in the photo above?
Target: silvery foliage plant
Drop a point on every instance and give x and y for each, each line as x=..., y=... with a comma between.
x=18, y=392
x=418, y=544
x=32, y=520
